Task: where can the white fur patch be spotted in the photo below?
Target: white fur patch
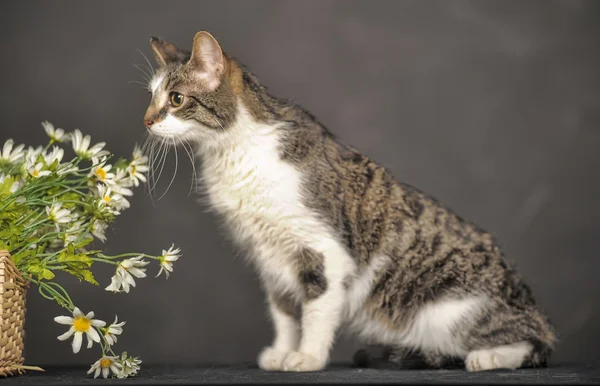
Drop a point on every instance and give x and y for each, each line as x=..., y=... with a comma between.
x=431, y=329
x=156, y=82
x=362, y=285
x=433, y=324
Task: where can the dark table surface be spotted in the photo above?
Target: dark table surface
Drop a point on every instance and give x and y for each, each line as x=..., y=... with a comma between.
x=344, y=374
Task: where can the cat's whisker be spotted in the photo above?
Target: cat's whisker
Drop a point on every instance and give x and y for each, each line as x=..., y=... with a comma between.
x=194, y=182
x=175, y=172
x=147, y=77
x=165, y=146
x=148, y=147
x=156, y=151
x=158, y=154
x=144, y=85
x=151, y=68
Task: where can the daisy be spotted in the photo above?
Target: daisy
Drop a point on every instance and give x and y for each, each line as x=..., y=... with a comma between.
x=57, y=214
x=11, y=154
x=131, y=365
x=80, y=324
x=72, y=234
x=31, y=156
x=56, y=135
x=55, y=155
x=106, y=364
x=138, y=166
x=99, y=230
x=100, y=171
x=110, y=198
x=121, y=183
x=36, y=171
x=66, y=168
x=111, y=332
x=125, y=272
x=167, y=259
x=81, y=145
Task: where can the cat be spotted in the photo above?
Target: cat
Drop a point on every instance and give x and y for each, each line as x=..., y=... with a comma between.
x=337, y=241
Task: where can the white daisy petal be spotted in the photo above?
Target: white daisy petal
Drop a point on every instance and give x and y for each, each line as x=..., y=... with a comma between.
x=67, y=334
x=63, y=320
x=98, y=323
x=77, y=340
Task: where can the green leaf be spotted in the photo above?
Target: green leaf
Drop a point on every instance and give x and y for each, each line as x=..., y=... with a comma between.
x=47, y=274
x=83, y=243
x=74, y=272
x=122, y=163
x=89, y=277
x=5, y=186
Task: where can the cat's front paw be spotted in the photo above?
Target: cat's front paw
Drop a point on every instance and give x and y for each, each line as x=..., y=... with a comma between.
x=298, y=361
x=271, y=359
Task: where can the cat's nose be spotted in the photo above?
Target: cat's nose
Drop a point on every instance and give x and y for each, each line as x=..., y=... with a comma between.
x=148, y=123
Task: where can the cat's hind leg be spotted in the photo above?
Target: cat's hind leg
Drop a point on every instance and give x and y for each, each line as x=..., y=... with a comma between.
x=509, y=337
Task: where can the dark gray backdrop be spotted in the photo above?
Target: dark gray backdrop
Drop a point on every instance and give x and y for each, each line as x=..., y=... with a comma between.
x=493, y=107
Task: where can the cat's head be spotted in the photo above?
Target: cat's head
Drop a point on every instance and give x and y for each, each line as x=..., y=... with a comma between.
x=193, y=95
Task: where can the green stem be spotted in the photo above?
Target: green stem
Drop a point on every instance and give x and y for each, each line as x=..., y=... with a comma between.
x=128, y=255
x=62, y=299
x=104, y=260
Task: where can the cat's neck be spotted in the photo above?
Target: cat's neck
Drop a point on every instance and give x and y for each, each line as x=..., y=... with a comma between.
x=246, y=136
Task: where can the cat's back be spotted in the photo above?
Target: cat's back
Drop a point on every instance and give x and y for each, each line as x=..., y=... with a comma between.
x=371, y=209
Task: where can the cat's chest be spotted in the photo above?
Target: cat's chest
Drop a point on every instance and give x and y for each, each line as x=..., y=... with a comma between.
x=256, y=192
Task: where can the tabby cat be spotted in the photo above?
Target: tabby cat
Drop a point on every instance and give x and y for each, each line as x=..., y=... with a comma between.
x=337, y=241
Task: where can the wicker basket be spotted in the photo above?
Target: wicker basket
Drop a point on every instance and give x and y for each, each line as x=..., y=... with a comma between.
x=13, y=289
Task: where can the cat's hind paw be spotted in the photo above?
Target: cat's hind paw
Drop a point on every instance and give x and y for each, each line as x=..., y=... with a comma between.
x=482, y=360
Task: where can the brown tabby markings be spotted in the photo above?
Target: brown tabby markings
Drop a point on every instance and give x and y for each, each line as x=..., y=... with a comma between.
x=309, y=265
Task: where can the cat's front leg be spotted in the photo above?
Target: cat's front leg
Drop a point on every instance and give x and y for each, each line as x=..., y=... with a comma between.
x=286, y=325
x=322, y=279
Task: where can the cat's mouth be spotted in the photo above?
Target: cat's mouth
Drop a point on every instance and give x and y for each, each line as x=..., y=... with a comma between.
x=170, y=127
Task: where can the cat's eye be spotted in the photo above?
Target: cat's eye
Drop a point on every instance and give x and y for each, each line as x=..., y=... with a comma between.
x=176, y=99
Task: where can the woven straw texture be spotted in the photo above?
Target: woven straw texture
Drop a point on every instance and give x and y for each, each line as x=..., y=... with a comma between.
x=13, y=289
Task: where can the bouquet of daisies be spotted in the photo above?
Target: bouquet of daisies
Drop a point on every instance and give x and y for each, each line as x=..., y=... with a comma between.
x=51, y=209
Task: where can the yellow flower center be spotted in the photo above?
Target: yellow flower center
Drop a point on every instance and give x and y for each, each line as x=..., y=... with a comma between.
x=133, y=169
x=35, y=173
x=105, y=362
x=106, y=199
x=101, y=173
x=82, y=324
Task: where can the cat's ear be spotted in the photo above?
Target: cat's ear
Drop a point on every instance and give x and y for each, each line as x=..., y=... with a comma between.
x=207, y=59
x=166, y=53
